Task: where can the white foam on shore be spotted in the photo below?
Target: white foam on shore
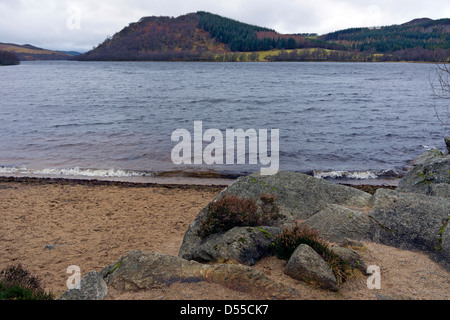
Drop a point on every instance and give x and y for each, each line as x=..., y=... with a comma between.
x=428, y=148
x=338, y=176
x=120, y=173
x=111, y=175
x=7, y=170
x=359, y=175
x=76, y=172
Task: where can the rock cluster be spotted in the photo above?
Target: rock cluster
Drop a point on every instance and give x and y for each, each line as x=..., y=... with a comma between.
x=415, y=216
x=139, y=270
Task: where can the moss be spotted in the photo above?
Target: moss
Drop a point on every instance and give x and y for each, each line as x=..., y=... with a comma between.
x=242, y=240
x=267, y=234
x=426, y=177
x=113, y=268
x=269, y=188
x=438, y=248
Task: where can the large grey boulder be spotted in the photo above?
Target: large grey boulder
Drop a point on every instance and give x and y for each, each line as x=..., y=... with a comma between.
x=139, y=270
x=298, y=197
x=335, y=223
x=307, y=265
x=92, y=287
x=408, y=220
x=245, y=245
x=430, y=175
x=424, y=158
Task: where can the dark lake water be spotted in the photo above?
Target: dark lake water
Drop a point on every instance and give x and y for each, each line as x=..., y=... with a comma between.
x=115, y=120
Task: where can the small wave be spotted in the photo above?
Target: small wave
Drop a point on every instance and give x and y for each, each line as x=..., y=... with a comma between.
x=362, y=175
x=391, y=173
x=428, y=148
x=67, y=125
x=8, y=170
x=77, y=172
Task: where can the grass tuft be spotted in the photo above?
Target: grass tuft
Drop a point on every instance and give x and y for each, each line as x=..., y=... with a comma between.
x=16, y=283
x=232, y=211
x=285, y=244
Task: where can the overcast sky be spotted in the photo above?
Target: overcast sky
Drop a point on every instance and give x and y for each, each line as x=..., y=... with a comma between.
x=82, y=24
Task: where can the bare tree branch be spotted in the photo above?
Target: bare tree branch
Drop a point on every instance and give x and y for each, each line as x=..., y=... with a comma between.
x=440, y=84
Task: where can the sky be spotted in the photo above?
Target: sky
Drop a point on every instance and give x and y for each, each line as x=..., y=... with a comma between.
x=80, y=25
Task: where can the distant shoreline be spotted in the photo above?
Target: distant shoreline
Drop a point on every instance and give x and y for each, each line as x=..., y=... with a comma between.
x=265, y=61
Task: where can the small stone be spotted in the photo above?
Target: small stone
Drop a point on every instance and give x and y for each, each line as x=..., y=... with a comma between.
x=351, y=257
x=92, y=287
x=352, y=243
x=386, y=297
x=306, y=264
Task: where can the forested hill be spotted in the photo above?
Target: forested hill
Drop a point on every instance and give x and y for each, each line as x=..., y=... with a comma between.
x=204, y=36
x=158, y=38
x=419, y=33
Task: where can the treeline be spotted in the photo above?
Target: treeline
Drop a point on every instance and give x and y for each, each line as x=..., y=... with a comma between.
x=427, y=35
x=8, y=58
x=414, y=54
x=242, y=37
x=204, y=36
x=237, y=35
x=125, y=55
x=299, y=55
x=204, y=56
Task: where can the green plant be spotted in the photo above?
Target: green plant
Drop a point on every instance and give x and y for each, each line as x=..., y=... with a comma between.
x=268, y=198
x=232, y=211
x=16, y=283
x=438, y=248
x=285, y=244
x=269, y=188
x=427, y=177
x=270, y=209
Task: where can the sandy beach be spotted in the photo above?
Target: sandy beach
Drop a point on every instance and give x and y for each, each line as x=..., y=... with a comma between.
x=49, y=225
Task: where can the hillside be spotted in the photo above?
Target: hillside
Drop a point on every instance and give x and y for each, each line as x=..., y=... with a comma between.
x=200, y=36
x=204, y=36
x=28, y=52
x=414, y=40
x=158, y=38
